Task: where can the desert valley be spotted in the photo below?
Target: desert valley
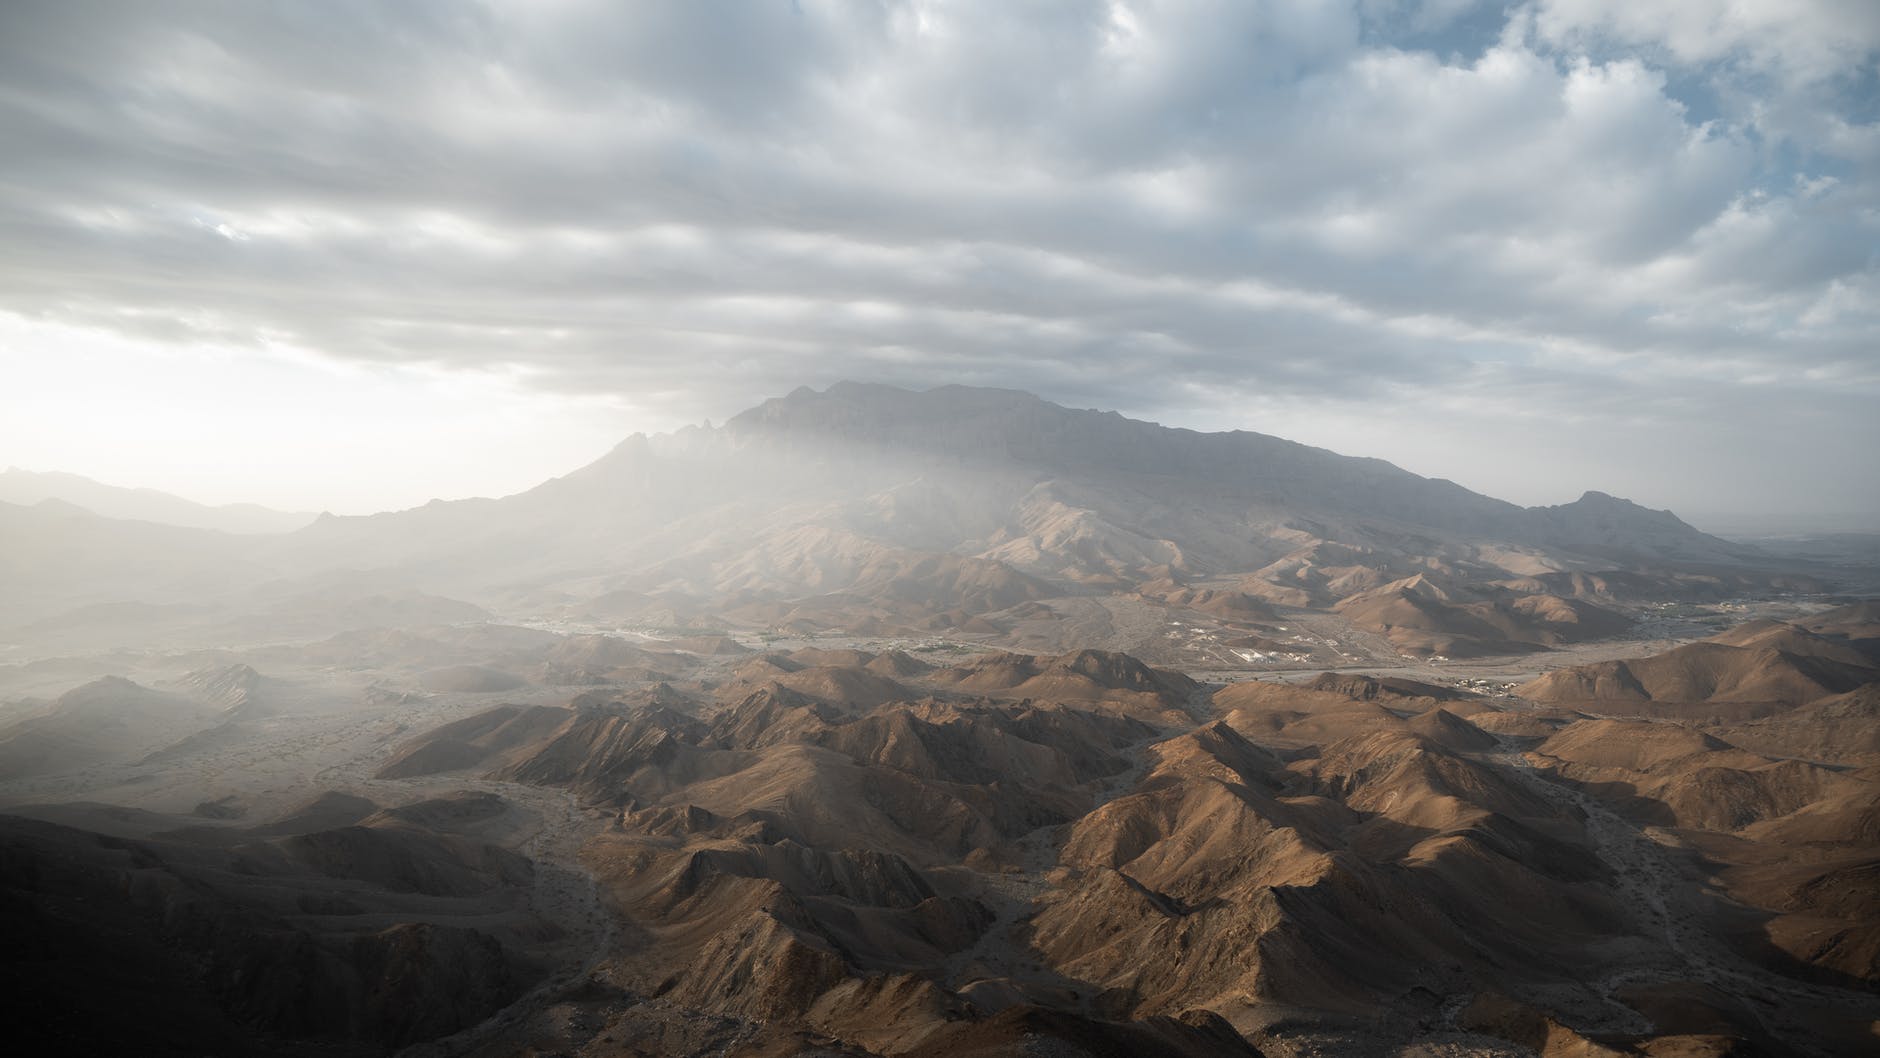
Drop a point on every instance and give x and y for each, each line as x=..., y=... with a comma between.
x=942, y=723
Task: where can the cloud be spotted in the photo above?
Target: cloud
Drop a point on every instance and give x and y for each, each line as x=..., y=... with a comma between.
x=1118, y=204
x=1806, y=40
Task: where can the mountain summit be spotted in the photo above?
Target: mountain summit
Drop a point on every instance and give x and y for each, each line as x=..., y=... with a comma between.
x=1004, y=431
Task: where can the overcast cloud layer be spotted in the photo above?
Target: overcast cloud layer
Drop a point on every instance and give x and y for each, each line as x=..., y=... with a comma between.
x=1537, y=248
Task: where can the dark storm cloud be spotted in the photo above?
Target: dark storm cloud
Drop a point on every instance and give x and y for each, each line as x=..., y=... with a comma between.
x=1117, y=204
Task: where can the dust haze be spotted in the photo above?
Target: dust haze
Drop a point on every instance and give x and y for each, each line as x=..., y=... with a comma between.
x=1101, y=529
x=895, y=722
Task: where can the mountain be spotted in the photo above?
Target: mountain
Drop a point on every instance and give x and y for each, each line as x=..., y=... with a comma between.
x=26, y=488
x=875, y=510
x=1138, y=477
x=918, y=724
x=1004, y=428
x=1752, y=669
x=866, y=505
x=1018, y=479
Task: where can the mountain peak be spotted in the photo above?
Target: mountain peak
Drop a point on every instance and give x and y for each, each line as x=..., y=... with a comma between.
x=866, y=430
x=1604, y=504
x=1595, y=498
x=1606, y=524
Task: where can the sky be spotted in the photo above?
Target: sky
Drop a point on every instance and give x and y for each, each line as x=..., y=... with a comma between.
x=356, y=255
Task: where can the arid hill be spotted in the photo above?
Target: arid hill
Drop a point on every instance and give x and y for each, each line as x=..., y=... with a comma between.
x=845, y=850
x=1420, y=617
x=1756, y=668
x=108, y=719
x=1800, y=841
x=1843, y=729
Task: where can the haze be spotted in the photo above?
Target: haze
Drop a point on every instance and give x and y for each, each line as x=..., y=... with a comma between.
x=817, y=529
x=944, y=723
x=352, y=258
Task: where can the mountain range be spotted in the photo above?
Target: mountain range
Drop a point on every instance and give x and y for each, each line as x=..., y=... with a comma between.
x=867, y=507
x=953, y=724
x=25, y=488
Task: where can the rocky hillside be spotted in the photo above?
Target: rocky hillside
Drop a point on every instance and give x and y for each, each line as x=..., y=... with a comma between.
x=838, y=849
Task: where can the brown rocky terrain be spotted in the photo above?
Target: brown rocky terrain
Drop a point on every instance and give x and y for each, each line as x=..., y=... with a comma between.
x=843, y=850
x=1751, y=757
x=1751, y=669
x=847, y=852
x=889, y=723
x=1418, y=616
